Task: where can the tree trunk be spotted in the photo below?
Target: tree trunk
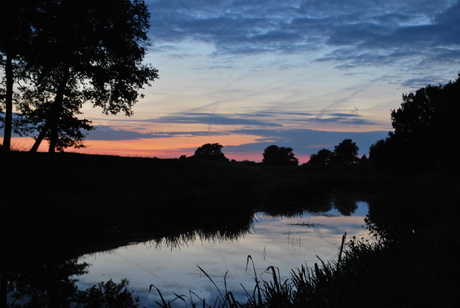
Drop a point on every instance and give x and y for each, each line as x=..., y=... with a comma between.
x=40, y=137
x=8, y=103
x=52, y=123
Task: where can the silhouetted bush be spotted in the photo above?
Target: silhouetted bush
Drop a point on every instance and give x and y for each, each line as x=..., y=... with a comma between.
x=211, y=152
x=279, y=156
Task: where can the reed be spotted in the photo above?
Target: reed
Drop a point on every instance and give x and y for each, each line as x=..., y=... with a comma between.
x=323, y=285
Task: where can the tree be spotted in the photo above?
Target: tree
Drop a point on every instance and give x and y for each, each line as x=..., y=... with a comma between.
x=323, y=157
x=411, y=122
x=35, y=109
x=210, y=151
x=84, y=51
x=15, y=34
x=346, y=151
x=279, y=156
x=424, y=124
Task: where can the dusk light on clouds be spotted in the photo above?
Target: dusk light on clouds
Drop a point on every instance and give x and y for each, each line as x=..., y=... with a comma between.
x=302, y=74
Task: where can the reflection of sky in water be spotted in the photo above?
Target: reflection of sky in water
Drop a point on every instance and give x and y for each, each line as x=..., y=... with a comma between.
x=284, y=242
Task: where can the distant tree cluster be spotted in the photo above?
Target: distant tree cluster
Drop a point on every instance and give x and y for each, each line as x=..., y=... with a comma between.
x=58, y=54
x=425, y=132
x=210, y=152
x=345, y=152
x=272, y=156
x=279, y=156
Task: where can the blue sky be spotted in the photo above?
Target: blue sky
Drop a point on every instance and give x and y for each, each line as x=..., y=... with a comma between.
x=303, y=74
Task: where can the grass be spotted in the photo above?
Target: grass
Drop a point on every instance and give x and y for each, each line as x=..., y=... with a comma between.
x=320, y=286
x=374, y=273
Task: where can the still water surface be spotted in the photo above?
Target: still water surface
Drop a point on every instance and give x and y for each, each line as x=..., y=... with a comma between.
x=173, y=267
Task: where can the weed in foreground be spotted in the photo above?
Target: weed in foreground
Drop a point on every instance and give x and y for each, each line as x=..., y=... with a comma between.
x=326, y=284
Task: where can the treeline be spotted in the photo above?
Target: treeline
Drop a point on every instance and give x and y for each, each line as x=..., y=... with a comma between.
x=273, y=155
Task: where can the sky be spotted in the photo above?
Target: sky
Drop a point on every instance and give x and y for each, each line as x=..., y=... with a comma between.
x=304, y=74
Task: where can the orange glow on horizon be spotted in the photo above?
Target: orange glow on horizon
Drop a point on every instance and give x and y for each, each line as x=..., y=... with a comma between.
x=147, y=148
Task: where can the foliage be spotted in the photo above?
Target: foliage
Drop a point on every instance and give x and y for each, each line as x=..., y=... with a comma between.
x=279, y=156
x=53, y=284
x=327, y=284
x=36, y=106
x=323, y=157
x=48, y=283
x=108, y=294
x=77, y=52
x=424, y=124
x=345, y=152
x=210, y=151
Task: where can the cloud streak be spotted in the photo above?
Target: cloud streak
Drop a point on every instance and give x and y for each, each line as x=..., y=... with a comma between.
x=110, y=133
x=338, y=102
x=357, y=33
x=211, y=119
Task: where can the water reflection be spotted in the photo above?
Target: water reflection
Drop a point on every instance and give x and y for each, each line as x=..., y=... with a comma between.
x=345, y=203
x=41, y=284
x=201, y=235
x=46, y=271
x=168, y=257
x=286, y=241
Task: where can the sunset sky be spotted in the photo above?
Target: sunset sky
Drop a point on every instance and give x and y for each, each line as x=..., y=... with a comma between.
x=302, y=74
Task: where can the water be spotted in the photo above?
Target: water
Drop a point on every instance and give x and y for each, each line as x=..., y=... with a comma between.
x=286, y=242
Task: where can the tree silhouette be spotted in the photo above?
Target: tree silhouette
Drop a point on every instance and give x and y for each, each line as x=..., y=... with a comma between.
x=425, y=123
x=15, y=33
x=210, y=151
x=82, y=51
x=345, y=205
x=346, y=151
x=411, y=122
x=323, y=157
x=34, y=115
x=53, y=284
x=279, y=156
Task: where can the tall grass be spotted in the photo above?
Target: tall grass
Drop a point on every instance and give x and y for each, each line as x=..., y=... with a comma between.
x=326, y=284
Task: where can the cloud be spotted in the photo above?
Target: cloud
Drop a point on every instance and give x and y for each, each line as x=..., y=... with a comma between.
x=306, y=141
x=248, y=123
x=417, y=83
x=211, y=119
x=109, y=133
x=355, y=33
x=102, y=132
x=341, y=120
